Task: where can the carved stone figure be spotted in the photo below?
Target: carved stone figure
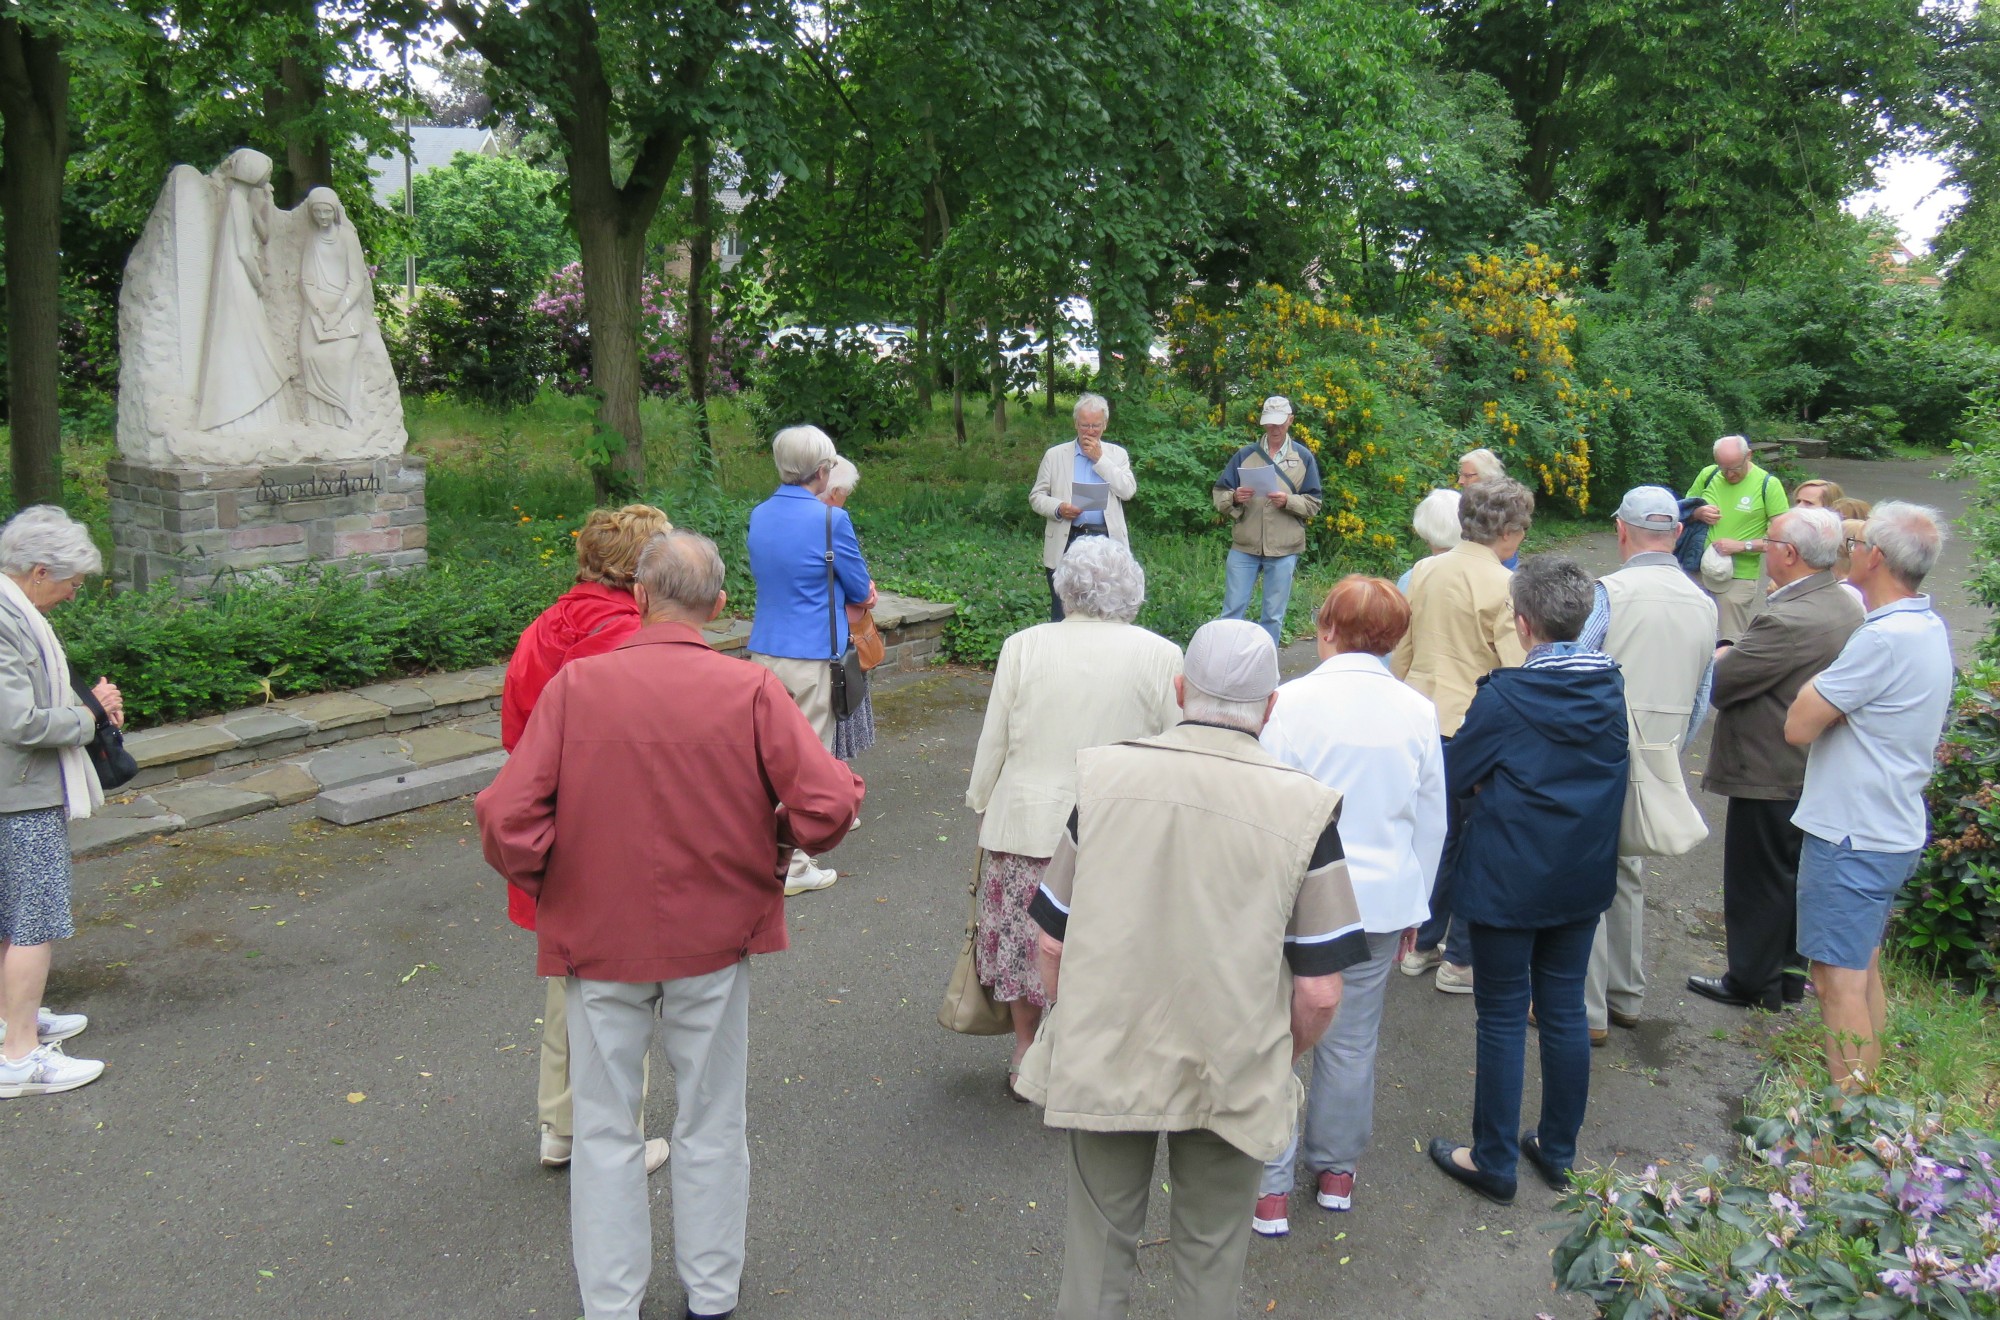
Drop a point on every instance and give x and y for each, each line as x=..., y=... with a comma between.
x=248, y=333
x=333, y=279
x=240, y=375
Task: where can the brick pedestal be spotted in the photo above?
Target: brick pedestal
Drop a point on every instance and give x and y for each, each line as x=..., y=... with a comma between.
x=203, y=527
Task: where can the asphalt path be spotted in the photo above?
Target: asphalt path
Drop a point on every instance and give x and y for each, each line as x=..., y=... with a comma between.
x=322, y=1070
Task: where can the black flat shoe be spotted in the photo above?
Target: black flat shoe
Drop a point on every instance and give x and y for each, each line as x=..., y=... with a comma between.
x=1721, y=991
x=1795, y=987
x=1496, y=1190
x=1554, y=1175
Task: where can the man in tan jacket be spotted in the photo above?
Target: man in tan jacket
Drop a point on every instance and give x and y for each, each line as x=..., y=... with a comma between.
x=1270, y=492
x=1196, y=916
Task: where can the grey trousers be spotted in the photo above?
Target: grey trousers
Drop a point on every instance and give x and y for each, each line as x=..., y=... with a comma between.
x=811, y=684
x=1617, y=977
x=1110, y=1176
x=1340, y=1103
x=704, y=1026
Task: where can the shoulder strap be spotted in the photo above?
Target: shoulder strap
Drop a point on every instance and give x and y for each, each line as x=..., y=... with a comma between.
x=1705, y=483
x=1283, y=475
x=832, y=626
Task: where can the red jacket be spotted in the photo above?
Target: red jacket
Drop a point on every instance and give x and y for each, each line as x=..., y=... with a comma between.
x=641, y=810
x=588, y=619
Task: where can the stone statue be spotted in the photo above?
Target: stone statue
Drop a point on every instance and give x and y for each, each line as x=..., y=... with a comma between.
x=248, y=333
x=333, y=280
x=240, y=375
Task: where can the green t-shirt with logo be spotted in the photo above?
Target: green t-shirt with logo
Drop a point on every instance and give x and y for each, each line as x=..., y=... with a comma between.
x=1747, y=510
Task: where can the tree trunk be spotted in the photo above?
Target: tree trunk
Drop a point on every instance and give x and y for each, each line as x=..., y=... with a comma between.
x=996, y=375
x=292, y=104
x=612, y=258
x=34, y=143
x=701, y=246
x=925, y=370
x=1051, y=330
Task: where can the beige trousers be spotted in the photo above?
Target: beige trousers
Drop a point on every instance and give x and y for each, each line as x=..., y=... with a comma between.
x=1617, y=976
x=1110, y=1177
x=1736, y=605
x=553, y=1103
x=811, y=684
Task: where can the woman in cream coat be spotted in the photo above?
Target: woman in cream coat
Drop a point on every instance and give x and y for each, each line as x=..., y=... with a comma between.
x=1090, y=680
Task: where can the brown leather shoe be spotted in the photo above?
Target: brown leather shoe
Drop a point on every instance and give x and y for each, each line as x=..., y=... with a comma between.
x=1599, y=1039
x=1625, y=1020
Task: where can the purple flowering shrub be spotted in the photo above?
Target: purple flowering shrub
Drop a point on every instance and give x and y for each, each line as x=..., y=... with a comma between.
x=1861, y=1208
x=662, y=337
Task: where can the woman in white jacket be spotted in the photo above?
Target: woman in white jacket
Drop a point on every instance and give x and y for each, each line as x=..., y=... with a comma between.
x=1093, y=679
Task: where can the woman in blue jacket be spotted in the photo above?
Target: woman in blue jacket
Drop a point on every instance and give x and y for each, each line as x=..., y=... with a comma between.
x=1536, y=785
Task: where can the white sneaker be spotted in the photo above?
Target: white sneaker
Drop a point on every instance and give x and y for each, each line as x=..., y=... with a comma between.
x=555, y=1149
x=46, y=1071
x=811, y=877
x=1418, y=961
x=1453, y=979
x=657, y=1151
x=52, y=1027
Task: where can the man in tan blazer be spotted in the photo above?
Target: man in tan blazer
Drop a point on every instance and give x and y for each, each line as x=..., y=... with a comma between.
x=1802, y=628
x=1087, y=459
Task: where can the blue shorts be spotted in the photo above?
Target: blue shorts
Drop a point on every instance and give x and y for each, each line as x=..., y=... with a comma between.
x=1845, y=898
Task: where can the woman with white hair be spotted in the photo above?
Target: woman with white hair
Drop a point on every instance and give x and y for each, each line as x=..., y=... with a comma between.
x=1436, y=521
x=1479, y=465
x=46, y=780
x=808, y=567
x=1091, y=679
x=1081, y=488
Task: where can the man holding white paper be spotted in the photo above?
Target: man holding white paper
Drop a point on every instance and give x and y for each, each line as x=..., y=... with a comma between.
x=1081, y=489
x=1270, y=491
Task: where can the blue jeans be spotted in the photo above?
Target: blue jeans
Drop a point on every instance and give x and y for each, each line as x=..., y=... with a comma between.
x=1511, y=969
x=1240, y=579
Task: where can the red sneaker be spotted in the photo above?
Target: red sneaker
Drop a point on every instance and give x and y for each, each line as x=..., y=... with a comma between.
x=1269, y=1218
x=1336, y=1190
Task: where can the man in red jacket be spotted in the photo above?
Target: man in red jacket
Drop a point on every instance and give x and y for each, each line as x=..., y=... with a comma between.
x=642, y=811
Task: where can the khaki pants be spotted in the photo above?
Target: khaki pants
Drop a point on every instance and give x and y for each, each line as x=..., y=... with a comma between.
x=811, y=684
x=1735, y=605
x=1617, y=977
x=552, y=1090
x=1110, y=1176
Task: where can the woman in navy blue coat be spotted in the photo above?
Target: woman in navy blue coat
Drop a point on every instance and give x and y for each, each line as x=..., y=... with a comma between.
x=1536, y=784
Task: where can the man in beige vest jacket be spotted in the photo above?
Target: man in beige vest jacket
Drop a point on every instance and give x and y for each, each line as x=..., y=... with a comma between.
x=1660, y=628
x=1196, y=916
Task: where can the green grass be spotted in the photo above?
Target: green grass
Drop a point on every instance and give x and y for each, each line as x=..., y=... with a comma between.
x=1941, y=1044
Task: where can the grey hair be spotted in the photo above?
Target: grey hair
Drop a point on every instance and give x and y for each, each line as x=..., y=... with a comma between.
x=1493, y=509
x=1245, y=715
x=801, y=453
x=843, y=475
x=43, y=534
x=1731, y=442
x=1814, y=533
x=1908, y=535
x=1436, y=519
x=1096, y=403
x=1486, y=463
x=682, y=569
x=1099, y=579
x=1555, y=596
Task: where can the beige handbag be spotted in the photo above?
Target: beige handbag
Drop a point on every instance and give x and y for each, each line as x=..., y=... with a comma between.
x=1660, y=819
x=969, y=1008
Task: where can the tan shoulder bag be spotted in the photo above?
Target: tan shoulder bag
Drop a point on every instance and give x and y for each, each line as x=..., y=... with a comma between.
x=969, y=1007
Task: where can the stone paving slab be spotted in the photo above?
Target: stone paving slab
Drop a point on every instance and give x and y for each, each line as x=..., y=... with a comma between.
x=399, y=698
x=181, y=742
x=99, y=832
x=253, y=728
x=451, y=689
x=387, y=796
x=348, y=762
x=428, y=747
x=283, y=783
x=209, y=804
x=331, y=710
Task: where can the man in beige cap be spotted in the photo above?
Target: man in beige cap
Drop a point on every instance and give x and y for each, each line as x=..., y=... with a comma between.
x=1198, y=891
x=1270, y=491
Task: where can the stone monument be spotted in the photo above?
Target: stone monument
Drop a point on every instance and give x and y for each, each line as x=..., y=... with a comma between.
x=259, y=422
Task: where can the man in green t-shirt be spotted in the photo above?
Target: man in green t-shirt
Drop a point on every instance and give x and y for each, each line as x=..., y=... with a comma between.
x=1742, y=500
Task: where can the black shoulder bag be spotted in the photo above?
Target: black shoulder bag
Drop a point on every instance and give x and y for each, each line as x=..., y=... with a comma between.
x=114, y=765
x=850, y=680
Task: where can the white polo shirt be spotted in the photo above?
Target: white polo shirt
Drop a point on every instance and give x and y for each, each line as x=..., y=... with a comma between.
x=1865, y=776
x=1358, y=729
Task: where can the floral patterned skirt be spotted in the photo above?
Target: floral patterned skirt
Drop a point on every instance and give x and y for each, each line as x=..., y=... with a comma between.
x=855, y=734
x=1008, y=936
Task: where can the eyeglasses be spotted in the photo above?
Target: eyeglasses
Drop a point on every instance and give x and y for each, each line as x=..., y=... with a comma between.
x=1854, y=543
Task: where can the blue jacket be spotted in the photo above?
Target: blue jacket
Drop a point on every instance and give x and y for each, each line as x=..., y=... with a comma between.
x=788, y=559
x=1537, y=846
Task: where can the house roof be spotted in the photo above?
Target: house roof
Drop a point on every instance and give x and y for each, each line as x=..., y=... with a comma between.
x=430, y=147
